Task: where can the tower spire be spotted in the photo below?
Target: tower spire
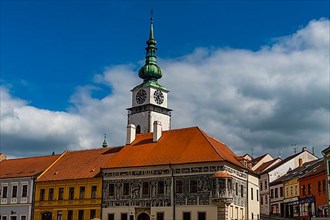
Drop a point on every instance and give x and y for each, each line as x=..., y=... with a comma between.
x=105, y=144
x=151, y=71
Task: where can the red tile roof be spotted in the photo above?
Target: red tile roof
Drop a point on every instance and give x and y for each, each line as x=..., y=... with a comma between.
x=79, y=164
x=179, y=146
x=265, y=165
x=25, y=167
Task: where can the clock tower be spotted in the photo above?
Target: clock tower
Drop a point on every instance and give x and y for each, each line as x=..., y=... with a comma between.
x=149, y=99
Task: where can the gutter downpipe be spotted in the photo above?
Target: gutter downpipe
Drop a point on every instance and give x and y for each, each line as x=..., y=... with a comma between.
x=173, y=191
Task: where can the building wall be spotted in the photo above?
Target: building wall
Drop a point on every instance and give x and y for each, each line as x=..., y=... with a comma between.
x=264, y=194
x=57, y=206
x=276, y=199
x=16, y=205
x=135, y=201
x=253, y=205
x=317, y=190
x=291, y=189
x=327, y=163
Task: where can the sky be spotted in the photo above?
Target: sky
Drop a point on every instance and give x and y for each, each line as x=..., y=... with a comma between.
x=252, y=74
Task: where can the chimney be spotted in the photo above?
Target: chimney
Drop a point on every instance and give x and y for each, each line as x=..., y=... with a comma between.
x=157, y=131
x=130, y=133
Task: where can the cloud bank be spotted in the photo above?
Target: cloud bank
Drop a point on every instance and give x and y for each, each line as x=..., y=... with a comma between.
x=267, y=99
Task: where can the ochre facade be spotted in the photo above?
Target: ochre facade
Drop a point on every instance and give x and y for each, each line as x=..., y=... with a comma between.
x=55, y=199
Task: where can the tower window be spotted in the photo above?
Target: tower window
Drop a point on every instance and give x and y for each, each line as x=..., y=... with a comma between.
x=138, y=129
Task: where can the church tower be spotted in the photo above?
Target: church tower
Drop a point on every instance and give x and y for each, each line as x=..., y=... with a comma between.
x=149, y=99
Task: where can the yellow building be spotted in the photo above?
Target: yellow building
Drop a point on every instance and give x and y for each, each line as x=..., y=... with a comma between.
x=291, y=188
x=72, y=188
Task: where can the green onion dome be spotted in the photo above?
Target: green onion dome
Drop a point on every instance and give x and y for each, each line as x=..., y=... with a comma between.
x=150, y=70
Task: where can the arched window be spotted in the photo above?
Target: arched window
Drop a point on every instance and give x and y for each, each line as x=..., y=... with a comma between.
x=138, y=129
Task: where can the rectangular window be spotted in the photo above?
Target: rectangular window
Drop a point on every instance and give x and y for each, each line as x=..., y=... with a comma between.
x=111, y=216
x=296, y=190
x=276, y=192
x=145, y=188
x=261, y=200
x=123, y=216
x=13, y=217
x=272, y=193
x=242, y=191
x=319, y=186
x=23, y=217
x=24, y=190
x=260, y=186
x=71, y=193
x=201, y=215
x=82, y=192
x=4, y=218
x=59, y=215
x=93, y=192
x=265, y=184
x=60, y=193
x=14, y=192
x=42, y=194
x=4, y=191
x=236, y=188
x=303, y=190
x=126, y=189
x=281, y=191
x=51, y=194
x=193, y=186
x=257, y=195
x=251, y=193
x=161, y=187
x=160, y=216
x=80, y=214
x=92, y=213
x=178, y=186
x=291, y=190
x=324, y=187
x=266, y=199
x=70, y=214
x=309, y=189
x=186, y=216
x=112, y=189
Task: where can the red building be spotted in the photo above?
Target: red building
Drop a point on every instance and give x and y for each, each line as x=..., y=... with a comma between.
x=313, y=197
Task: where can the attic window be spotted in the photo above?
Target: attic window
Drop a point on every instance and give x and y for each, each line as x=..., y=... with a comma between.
x=92, y=170
x=56, y=173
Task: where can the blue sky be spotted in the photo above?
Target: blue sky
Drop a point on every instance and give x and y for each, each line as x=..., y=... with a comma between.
x=55, y=55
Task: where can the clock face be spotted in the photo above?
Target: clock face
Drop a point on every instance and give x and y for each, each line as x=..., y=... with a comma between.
x=141, y=96
x=159, y=97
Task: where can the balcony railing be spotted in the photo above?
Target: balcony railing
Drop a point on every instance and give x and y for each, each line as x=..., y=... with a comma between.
x=222, y=196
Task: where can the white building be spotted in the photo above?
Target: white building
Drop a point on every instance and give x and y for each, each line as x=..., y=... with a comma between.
x=181, y=174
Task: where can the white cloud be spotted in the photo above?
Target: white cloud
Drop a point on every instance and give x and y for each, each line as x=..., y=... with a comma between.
x=265, y=99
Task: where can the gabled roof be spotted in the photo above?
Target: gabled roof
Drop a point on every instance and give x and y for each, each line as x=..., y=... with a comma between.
x=256, y=160
x=315, y=168
x=25, y=167
x=298, y=172
x=179, y=146
x=79, y=164
x=266, y=165
x=283, y=162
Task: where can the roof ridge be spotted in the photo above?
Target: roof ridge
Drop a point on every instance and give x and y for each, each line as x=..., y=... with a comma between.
x=206, y=137
x=35, y=157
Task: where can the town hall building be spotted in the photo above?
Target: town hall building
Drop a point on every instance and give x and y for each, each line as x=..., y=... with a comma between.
x=179, y=174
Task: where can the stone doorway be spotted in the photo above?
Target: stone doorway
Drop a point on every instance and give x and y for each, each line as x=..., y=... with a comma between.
x=143, y=216
x=46, y=216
